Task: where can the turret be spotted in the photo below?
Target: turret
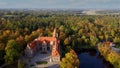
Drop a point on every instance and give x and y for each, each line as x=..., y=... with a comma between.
x=55, y=34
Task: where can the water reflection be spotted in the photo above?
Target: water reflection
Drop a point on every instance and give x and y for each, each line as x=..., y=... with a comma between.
x=92, y=59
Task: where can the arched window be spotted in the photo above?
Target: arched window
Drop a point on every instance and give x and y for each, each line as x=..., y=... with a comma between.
x=44, y=43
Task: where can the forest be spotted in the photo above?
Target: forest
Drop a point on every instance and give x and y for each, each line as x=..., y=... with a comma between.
x=17, y=28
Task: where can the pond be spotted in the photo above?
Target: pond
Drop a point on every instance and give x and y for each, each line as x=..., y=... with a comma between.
x=92, y=59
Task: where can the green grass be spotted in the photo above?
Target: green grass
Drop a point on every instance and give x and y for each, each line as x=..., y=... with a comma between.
x=41, y=62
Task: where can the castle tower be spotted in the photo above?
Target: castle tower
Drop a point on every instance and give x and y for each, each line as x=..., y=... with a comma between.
x=55, y=34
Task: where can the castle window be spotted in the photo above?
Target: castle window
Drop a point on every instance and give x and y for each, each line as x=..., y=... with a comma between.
x=48, y=48
x=40, y=48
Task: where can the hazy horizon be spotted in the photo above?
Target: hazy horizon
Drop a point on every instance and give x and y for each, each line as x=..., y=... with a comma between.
x=60, y=4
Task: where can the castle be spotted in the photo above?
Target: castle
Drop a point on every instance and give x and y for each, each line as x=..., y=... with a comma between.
x=45, y=44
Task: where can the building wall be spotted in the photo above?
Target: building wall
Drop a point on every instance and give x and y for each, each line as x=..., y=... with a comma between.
x=56, y=58
x=28, y=52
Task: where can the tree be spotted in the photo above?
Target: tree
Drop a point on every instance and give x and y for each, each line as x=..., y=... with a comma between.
x=112, y=32
x=2, y=53
x=27, y=38
x=91, y=20
x=70, y=60
x=101, y=37
x=2, y=46
x=67, y=41
x=62, y=36
x=21, y=64
x=109, y=54
x=116, y=40
x=61, y=28
x=12, y=51
x=93, y=40
x=106, y=37
x=21, y=42
x=117, y=63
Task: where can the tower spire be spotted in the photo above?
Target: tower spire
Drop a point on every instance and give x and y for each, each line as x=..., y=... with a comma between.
x=55, y=33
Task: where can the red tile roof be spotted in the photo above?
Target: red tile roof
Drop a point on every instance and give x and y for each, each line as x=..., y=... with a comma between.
x=32, y=44
x=41, y=39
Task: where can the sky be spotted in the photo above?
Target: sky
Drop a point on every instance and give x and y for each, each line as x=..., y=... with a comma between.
x=49, y=4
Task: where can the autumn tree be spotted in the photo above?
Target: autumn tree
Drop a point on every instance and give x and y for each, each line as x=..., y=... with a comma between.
x=109, y=54
x=21, y=42
x=67, y=41
x=12, y=51
x=70, y=60
x=93, y=40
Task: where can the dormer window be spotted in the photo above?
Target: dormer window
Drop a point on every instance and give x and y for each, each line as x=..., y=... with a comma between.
x=52, y=42
x=44, y=43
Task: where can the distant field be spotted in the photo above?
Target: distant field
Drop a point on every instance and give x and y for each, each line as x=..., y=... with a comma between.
x=101, y=12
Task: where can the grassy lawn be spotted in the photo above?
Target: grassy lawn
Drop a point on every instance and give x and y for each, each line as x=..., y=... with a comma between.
x=41, y=62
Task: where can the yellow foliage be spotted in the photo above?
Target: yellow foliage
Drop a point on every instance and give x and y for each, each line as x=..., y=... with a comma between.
x=109, y=54
x=70, y=60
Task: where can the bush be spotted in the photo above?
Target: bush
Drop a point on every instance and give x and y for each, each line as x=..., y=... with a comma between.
x=41, y=62
x=21, y=64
